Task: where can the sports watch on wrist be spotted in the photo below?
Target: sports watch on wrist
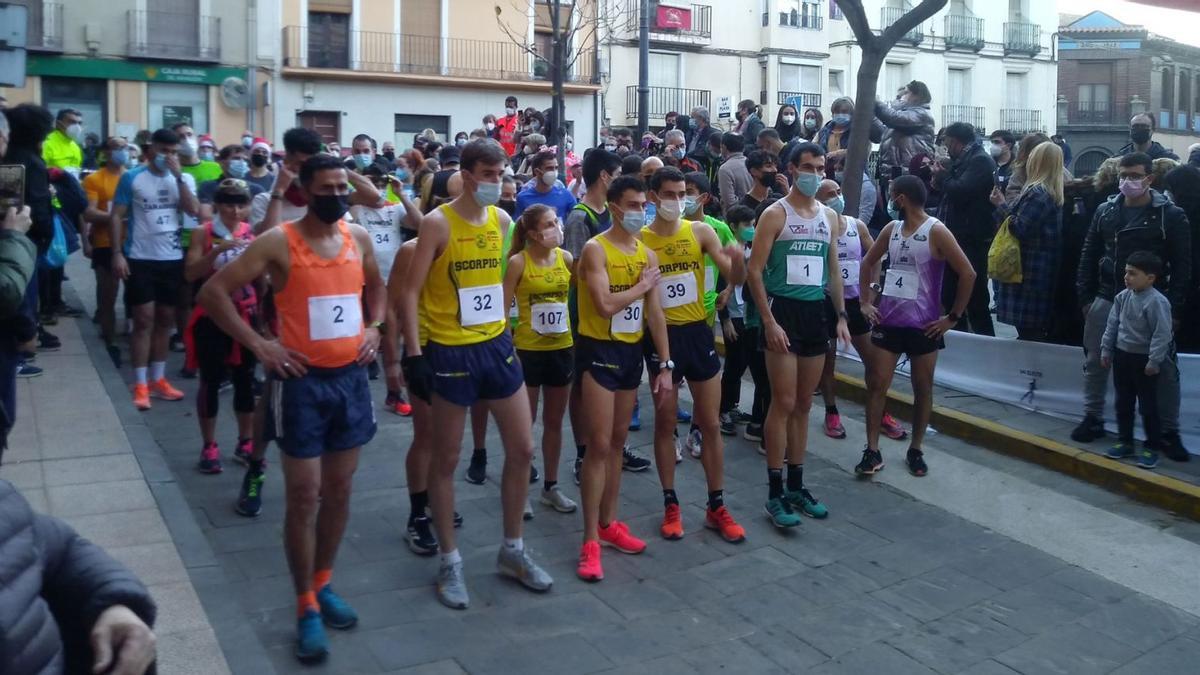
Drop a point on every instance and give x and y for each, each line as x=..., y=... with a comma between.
x=666, y=365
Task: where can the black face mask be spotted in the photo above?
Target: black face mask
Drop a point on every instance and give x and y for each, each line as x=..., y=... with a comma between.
x=768, y=178
x=391, y=156
x=1139, y=135
x=328, y=208
x=258, y=160
x=509, y=206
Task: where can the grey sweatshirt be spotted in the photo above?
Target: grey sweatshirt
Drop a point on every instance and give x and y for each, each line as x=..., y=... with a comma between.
x=1139, y=323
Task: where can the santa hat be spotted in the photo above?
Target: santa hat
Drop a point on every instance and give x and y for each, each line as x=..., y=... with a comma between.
x=207, y=139
x=260, y=143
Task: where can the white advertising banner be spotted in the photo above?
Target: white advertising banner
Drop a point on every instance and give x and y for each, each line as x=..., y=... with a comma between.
x=1046, y=378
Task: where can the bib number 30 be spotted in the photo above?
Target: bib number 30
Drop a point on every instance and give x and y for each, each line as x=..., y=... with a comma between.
x=331, y=317
x=628, y=320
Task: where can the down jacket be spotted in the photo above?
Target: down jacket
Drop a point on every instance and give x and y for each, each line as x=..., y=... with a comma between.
x=54, y=584
x=909, y=133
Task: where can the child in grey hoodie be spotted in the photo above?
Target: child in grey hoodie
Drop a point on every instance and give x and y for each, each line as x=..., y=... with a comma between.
x=1136, y=341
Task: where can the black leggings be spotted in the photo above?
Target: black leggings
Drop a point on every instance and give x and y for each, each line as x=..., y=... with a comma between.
x=212, y=350
x=757, y=360
x=1135, y=388
x=735, y=366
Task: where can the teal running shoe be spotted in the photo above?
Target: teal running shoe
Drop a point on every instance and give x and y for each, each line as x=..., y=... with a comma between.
x=312, y=646
x=803, y=501
x=336, y=612
x=781, y=513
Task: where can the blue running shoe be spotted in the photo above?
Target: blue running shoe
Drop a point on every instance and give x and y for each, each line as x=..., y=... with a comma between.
x=1121, y=450
x=311, y=644
x=682, y=416
x=334, y=610
x=635, y=422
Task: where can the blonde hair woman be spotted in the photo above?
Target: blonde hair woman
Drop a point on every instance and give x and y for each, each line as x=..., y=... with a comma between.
x=1035, y=219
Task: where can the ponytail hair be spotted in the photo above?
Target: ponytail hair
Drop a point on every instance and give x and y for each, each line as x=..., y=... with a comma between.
x=528, y=220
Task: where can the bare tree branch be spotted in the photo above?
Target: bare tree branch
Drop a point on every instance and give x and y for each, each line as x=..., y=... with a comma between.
x=910, y=20
x=856, y=15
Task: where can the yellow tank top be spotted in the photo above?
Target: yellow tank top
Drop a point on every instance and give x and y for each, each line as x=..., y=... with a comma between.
x=463, y=296
x=681, y=262
x=624, y=270
x=543, y=324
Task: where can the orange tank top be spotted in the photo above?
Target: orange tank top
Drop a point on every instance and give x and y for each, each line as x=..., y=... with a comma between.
x=320, y=308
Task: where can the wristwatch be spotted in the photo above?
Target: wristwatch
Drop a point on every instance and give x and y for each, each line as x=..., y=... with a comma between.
x=666, y=365
x=378, y=325
x=843, y=315
x=276, y=195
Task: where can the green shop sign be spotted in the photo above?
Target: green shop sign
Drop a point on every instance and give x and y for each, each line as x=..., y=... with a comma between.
x=110, y=69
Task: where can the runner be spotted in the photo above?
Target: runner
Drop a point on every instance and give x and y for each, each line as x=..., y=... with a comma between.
x=680, y=246
x=618, y=275
x=153, y=196
x=795, y=252
x=101, y=186
x=211, y=351
x=384, y=224
x=740, y=345
x=321, y=268
x=456, y=275
x=854, y=239
x=538, y=277
x=909, y=318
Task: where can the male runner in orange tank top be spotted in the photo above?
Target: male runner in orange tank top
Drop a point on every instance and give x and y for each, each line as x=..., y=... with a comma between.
x=320, y=268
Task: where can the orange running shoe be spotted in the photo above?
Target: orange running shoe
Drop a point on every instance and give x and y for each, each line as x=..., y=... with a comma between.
x=141, y=396
x=163, y=389
x=672, y=524
x=617, y=536
x=722, y=522
x=589, y=562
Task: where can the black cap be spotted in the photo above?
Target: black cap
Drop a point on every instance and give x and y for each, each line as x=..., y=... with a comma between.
x=449, y=154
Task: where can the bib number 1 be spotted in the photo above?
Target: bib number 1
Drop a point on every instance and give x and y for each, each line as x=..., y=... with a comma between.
x=805, y=270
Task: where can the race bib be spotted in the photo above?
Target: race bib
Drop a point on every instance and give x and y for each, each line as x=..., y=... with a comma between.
x=514, y=312
x=710, y=280
x=481, y=304
x=162, y=220
x=805, y=270
x=902, y=284
x=334, y=316
x=386, y=240
x=737, y=294
x=849, y=272
x=677, y=290
x=548, y=318
x=628, y=320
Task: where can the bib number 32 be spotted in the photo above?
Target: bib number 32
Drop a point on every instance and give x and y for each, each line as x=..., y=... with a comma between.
x=481, y=304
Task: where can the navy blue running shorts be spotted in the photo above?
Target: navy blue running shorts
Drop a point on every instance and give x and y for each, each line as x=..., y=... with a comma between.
x=326, y=410
x=463, y=374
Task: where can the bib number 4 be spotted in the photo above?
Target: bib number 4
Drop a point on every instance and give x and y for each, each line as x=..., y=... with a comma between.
x=902, y=284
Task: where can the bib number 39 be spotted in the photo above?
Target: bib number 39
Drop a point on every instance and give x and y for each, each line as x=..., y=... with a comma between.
x=677, y=290
x=628, y=320
x=481, y=304
x=331, y=317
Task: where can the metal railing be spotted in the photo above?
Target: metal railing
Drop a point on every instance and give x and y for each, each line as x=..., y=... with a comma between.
x=172, y=35
x=1022, y=38
x=1098, y=112
x=974, y=115
x=666, y=99
x=1021, y=120
x=428, y=55
x=807, y=99
x=809, y=19
x=44, y=28
x=964, y=31
x=890, y=15
x=701, y=28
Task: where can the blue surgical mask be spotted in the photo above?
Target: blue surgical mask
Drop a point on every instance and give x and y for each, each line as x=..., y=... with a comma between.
x=633, y=221
x=838, y=204
x=120, y=157
x=160, y=162
x=402, y=174
x=839, y=176
x=808, y=184
x=207, y=155
x=893, y=210
x=487, y=194
x=690, y=204
x=841, y=120
x=363, y=160
x=238, y=168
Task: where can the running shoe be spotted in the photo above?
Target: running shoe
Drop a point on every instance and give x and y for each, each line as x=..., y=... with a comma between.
x=1172, y=447
x=477, y=469
x=728, y=425
x=722, y=522
x=672, y=523
x=555, y=499
x=336, y=612
x=678, y=449
x=577, y=468
x=249, y=503
x=27, y=370
x=527, y=513
x=458, y=520
x=312, y=646
x=833, y=426
x=1090, y=429
x=872, y=462
x=452, y=586
x=739, y=417
x=534, y=476
x=163, y=389
x=1121, y=450
x=186, y=373
x=141, y=396
x=682, y=416
x=753, y=432
x=695, y=443
x=803, y=501
x=1147, y=459
x=589, y=562
x=633, y=463
x=519, y=566
x=48, y=342
x=396, y=403
x=891, y=427
x=781, y=514
x=210, y=459
x=419, y=536
x=618, y=536
x=244, y=451
x=635, y=422
x=915, y=460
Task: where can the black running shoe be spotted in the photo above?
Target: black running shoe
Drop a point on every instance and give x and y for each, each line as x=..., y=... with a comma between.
x=477, y=470
x=872, y=462
x=578, y=467
x=631, y=462
x=419, y=537
x=534, y=476
x=916, y=462
x=458, y=519
x=728, y=425
x=48, y=342
x=249, y=501
x=176, y=343
x=1090, y=429
x=1172, y=447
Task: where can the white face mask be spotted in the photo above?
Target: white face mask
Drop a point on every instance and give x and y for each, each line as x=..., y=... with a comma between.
x=75, y=131
x=490, y=126
x=549, y=178
x=510, y=111
x=671, y=209
x=789, y=119
x=188, y=147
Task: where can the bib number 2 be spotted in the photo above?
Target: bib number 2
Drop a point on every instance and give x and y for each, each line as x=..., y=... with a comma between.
x=331, y=317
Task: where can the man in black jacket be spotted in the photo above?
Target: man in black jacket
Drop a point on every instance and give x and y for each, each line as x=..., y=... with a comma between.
x=1136, y=219
x=969, y=214
x=67, y=606
x=1141, y=128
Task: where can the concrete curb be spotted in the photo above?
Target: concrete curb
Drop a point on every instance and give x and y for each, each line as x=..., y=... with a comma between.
x=1145, y=486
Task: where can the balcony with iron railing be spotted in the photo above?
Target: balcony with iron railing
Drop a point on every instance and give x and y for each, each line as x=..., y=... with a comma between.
x=1098, y=113
x=44, y=28
x=1021, y=120
x=964, y=31
x=394, y=53
x=666, y=99
x=667, y=24
x=890, y=15
x=808, y=19
x=173, y=36
x=1022, y=38
x=801, y=99
x=974, y=115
